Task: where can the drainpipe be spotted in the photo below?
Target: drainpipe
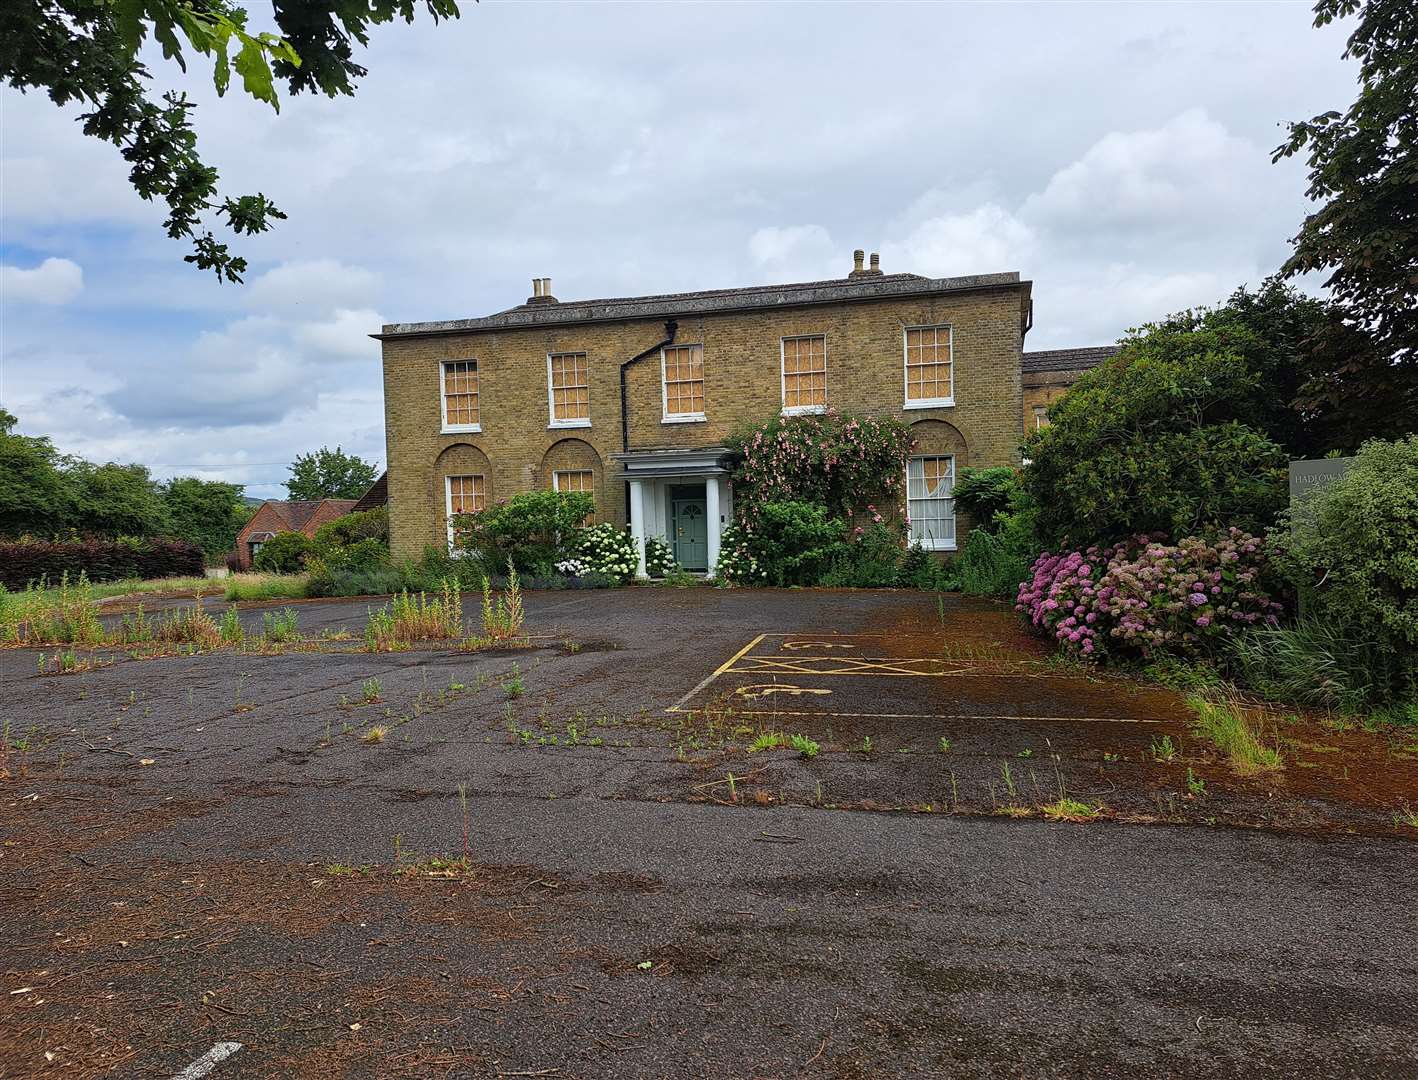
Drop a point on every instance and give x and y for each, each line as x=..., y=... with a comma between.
x=671, y=328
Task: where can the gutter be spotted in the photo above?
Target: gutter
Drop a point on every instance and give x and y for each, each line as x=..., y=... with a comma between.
x=671, y=329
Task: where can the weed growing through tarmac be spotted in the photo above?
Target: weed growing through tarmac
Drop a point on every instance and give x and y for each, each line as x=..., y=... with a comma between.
x=66, y=662
x=803, y=745
x=236, y=703
x=1110, y=758
x=279, y=627
x=503, y=617
x=374, y=735
x=1224, y=722
x=1406, y=815
x=767, y=740
x=1066, y=809
x=944, y=745
x=1025, y=753
x=1006, y=775
x=369, y=691
x=866, y=744
x=513, y=687
x=230, y=627
x=1196, y=786
x=1163, y=749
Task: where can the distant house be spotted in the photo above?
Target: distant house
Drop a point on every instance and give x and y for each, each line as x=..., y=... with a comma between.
x=277, y=516
x=1047, y=375
x=375, y=497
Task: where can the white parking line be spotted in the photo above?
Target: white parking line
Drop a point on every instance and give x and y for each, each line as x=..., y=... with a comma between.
x=208, y=1061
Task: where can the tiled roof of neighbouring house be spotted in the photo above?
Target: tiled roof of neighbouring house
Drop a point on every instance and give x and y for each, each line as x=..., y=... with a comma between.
x=1067, y=359
x=296, y=513
x=377, y=495
x=836, y=290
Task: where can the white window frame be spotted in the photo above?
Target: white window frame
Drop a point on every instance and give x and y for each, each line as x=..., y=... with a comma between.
x=448, y=503
x=458, y=429
x=926, y=403
x=799, y=410
x=556, y=484
x=932, y=543
x=667, y=417
x=1041, y=417
x=552, y=421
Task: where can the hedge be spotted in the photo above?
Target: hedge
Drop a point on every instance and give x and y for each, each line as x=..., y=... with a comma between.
x=27, y=561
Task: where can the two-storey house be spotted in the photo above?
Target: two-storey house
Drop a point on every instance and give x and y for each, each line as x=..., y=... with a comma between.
x=631, y=399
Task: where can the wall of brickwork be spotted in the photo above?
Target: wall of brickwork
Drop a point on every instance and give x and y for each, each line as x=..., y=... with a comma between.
x=517, y=450
x=1042, y=389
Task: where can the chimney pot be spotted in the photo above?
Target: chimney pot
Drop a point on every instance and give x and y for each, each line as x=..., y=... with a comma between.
x=857, y=257
x=875, y=263
x=536, y=286
x=546, y=286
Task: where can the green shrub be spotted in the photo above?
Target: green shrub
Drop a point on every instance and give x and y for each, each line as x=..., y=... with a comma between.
x=870, y=559
x=983, y=493
x=607, y=550
x=790, y=543
x=352, y=529
x=284, y=553
x=659, y=560
x=534, y=529
x=266, y=587
x=1351, y=550
x=1155, y=441
x=995, y=563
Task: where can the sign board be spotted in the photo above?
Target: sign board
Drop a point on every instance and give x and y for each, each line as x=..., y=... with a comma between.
x=1305, y=476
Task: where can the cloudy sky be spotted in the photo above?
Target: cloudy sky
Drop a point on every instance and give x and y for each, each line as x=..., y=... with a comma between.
x=1116, y=154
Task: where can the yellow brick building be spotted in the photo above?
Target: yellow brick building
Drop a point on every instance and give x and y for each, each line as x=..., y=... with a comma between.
x=631, y=399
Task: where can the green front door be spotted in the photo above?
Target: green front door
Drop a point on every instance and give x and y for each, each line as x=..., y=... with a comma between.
x=690, y=525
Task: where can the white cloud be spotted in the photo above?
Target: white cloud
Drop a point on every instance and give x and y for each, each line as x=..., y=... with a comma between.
x=343, y=336
x=312, y=286
x=794, y=253
x=984, y=240
x=54, y=281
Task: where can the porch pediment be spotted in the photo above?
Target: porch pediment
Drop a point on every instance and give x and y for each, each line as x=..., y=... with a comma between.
x=649, y=464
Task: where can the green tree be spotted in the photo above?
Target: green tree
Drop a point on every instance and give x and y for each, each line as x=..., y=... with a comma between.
x=1363, y=168
x=1157, y=440
x=207, y=512
x=87, y=51
x=284, y=553
x=116, y=500
x=35, y=496
x=330, y=474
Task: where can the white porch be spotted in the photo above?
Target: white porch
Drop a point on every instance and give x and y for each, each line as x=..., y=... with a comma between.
x=682, y=497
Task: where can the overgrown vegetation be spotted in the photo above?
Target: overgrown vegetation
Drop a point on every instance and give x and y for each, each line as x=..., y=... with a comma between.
x=1224, y=722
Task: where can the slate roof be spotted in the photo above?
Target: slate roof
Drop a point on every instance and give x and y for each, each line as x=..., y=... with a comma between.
x=835, y=290
x=1066, y=359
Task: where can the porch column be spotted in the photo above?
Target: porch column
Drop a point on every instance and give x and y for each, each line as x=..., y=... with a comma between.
x=637, y=524
x=711, y=511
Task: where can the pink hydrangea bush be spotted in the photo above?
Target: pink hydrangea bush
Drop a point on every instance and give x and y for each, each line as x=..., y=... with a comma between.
x=1145, y=596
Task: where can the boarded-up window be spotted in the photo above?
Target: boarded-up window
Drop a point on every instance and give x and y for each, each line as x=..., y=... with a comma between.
x=804, y=373
x=928, y=367
x=570, y=388
x=684, y=381
x=930, y=484
x=460, y=394
x=466, y=495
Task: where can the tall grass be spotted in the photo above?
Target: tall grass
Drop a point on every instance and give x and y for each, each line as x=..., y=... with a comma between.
x=1313, y=662
x=503, y=617
x=412, y=617
x=67, y=615
x=1224, y=722
x=266, y=587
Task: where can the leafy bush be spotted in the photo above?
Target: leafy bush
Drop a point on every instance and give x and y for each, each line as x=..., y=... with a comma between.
x=659, y=560
x=833, y=459
x=1351, y=550
x=534, y=529
x=869, y=559
x=1156, y=440
x=351, y=529
x=609, y=550
x=25, y=562
x=284, y=553
x=995, y=563
x=983, y=493
x=789, y=543
x=1145, y=597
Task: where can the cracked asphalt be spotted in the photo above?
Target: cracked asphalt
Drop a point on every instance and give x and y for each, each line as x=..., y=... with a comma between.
x=205, y=849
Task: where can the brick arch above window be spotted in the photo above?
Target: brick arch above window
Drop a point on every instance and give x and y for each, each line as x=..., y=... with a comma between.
x=470, y=472
x=566, y=465
x=937, y=437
